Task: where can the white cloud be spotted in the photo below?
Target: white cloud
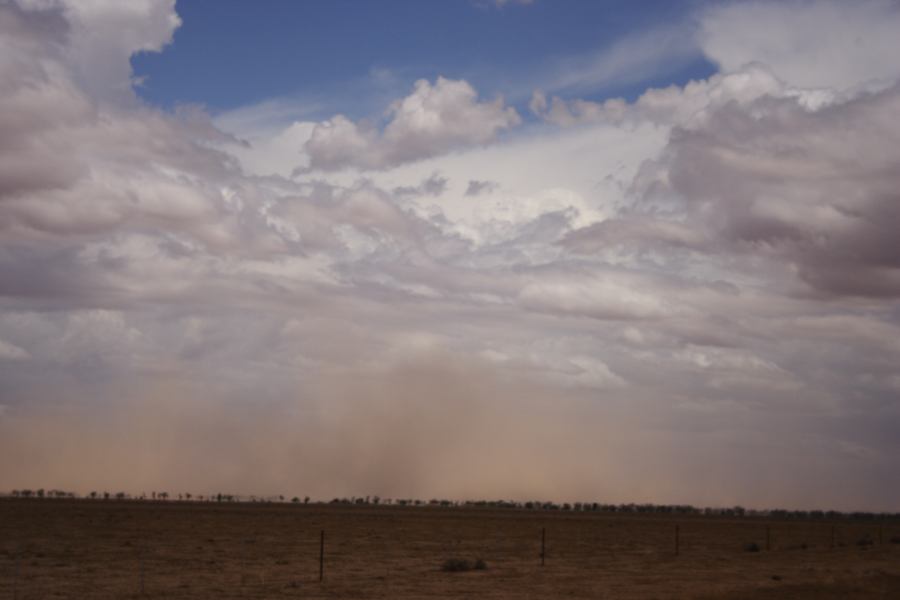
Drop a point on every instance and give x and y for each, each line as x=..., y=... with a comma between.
x=279, y=154
x=825, y=44
x=433, y=119
x=632, y=59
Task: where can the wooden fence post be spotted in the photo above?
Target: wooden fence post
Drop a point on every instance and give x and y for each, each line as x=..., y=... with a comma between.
x=543, y=544
x=16, y=576
x=677, y=540
x=322, y=556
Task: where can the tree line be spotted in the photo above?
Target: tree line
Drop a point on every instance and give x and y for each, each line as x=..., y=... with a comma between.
x=531, y=505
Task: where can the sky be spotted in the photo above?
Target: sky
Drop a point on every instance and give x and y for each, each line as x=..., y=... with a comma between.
x=532, y=250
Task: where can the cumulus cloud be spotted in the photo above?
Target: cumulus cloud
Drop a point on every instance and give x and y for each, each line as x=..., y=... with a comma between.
x=815, y=191
x=101, y=63
x=433, y=119
x=685, y=106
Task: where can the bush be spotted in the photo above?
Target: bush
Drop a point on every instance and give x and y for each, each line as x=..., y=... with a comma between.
x=456, y=565
x=751, y=547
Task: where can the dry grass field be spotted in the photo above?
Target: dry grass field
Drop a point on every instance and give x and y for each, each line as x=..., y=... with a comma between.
x=107, y=549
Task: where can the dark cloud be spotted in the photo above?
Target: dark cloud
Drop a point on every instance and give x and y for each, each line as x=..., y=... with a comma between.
x=813, y=190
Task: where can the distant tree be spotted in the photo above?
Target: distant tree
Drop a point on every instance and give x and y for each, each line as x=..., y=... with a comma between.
x=306, y=500
x=40, y=493
x=295, y=500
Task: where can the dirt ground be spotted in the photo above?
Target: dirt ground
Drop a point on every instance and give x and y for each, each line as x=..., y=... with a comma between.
x=107, y=549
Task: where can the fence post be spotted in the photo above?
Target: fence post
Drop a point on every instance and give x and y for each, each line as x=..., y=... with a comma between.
x=322, y=556
x=141, y=559
x=543, y=544
x=832, y=535
x=16, y=576
x=768, y=538
x=677, y=540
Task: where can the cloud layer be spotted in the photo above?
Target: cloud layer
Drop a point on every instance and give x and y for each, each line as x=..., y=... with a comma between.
x=691, y=297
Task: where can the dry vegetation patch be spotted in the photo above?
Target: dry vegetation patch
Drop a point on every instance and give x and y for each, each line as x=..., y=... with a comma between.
x=108, y=549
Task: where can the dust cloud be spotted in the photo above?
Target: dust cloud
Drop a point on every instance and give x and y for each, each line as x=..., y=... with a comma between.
x=434, y=427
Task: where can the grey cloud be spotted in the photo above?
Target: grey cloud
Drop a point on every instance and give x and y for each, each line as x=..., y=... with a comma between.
x=810, y=192
x=477, y=187
x=435, y=185
x=812, y=189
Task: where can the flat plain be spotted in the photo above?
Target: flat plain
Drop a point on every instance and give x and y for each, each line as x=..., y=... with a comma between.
x=93, y=549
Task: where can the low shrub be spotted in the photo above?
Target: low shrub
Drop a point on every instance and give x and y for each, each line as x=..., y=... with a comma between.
x=455, y=565
x=751, y=547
